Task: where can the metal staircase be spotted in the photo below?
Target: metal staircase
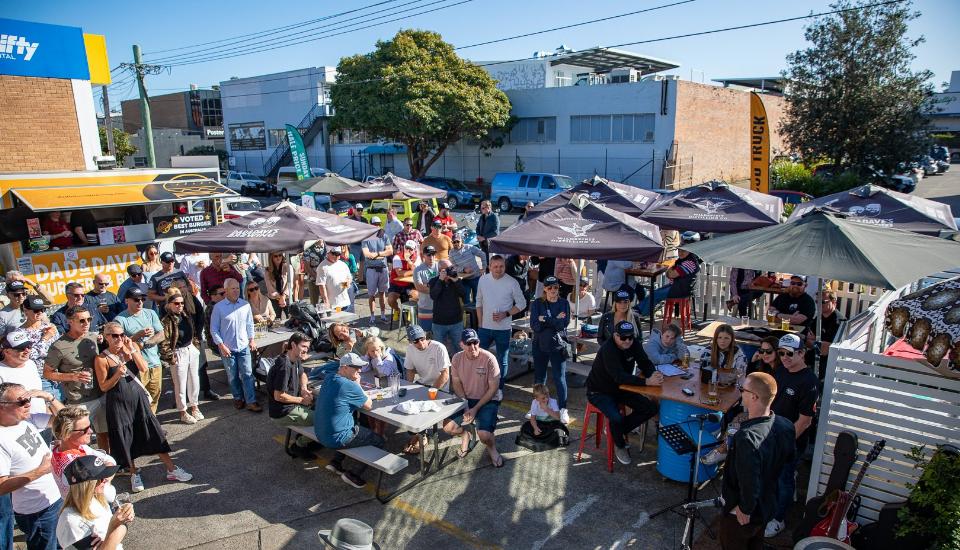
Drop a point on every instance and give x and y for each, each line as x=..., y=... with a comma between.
x=313, y=122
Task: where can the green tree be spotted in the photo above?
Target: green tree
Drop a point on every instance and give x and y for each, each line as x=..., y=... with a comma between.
x=121, y=142
x=415, y=90
x=852, y=96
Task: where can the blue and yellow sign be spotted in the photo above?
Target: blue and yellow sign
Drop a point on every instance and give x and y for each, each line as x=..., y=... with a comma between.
x=49, y=51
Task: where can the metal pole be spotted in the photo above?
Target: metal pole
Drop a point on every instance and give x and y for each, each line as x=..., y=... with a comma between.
x=606, y=152
x=144, y=109
x=108, y=123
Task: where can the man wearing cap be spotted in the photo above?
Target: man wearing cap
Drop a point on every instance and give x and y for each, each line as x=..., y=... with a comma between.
x=334, y=279
x=795, y=305
x=613, y=367
x=25, y=468
x=376, y=250
x=14, y=275
x=357, y=213
x=143, y=325
x=135, y=279
x=17, y=367
x=231, y=325
x=334, y=424
x=100, y=297
x=683, y=276
x=162, y=279
x=11, y=316
x=797, y=393
x=447, y=221
x=77, y=297
x=422, y=274
x=403, y=264
x=470, y=262
x=498, y=299
x=488, y=226
x=424, y=217
x=448, y=295
x=475, y=376
x=427, y=362
x=106, y=529
x=440, y=242
x=313, y=256
x=407, y=234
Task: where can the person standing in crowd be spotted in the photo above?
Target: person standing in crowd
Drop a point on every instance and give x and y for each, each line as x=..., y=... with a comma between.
x=796, y=401
x=340, y=396
x=408, y=234
x=279, y=281
x=180, y=350
x=470, y=262
x=621, y=312
x=393, y=226
x=586, y=304
x=474, y=376
x=76, y=297
x=101, y=298
x=192, y=265
x=16, y=276
x=231, y=325
x=163, y=279
x=86, y=514
x=16, y=366
x=216, y=294
x=498, y=299
x=400, y=290
x=615, y=278
x=830, y=320
x=219, y=270
x=761, y=449
x=447, y=221
x=260, y=306
x=448, y=294
x=422, y=274
x=424, y=217
x=740, y=293
x=666, y=346
x=313, y=256
x=348, y=257
x=488, y=226
x=12, y=315
x=427, y=361
x=440, y=242
x=25, y=468
x=683, y=276
x=144, y=327
x=289, y=400
x=70, y=363
x=42, y=334
x=613, y=367
x=549, y=318
x=134, y=428
x=135, y=279
x=376, y=250
x=565, y=271
x=518, y=267
x=150, y=262
x=58, y=229
x=333, y=280
x=795, y=305
x=71, y=431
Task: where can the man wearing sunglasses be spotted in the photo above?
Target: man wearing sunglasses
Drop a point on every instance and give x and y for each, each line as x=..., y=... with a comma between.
x=11, y=316
x=795, y=305
x=143, y=325
x=830, y=320
x=796, y=400
x=135, y=279
x=76, y=297
x=613, y=367
x=106, y=302
x=18, y=367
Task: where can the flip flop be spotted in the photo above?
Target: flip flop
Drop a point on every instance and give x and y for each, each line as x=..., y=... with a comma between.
x=499, y=462
x=473, y=443
x=412, y=449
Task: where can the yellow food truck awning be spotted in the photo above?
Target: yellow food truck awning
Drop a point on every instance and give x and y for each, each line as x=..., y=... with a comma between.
x=42, y=199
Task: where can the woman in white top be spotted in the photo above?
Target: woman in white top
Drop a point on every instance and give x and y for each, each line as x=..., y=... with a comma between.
x=85, y=520
x=259, y=304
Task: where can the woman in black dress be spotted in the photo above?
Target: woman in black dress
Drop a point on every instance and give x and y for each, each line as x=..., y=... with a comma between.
x=133, y=428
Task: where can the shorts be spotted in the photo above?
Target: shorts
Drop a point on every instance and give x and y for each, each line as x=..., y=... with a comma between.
x=403, y=291
x=486, y=418
x=98, y=414
x=377, y=281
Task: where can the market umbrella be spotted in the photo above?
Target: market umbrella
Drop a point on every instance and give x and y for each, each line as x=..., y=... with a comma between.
x=283, y=227
x=714, y=207
x=329, y=184
x=874, y=205
x=930, y=321
x=630, y=200
x=389, y=187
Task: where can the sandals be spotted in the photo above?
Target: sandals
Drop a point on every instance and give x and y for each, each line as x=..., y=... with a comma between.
x=473, y=443
x=412, y=448
x=498, y=463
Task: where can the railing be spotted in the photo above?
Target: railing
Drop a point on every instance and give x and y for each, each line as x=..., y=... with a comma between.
x=282, y=150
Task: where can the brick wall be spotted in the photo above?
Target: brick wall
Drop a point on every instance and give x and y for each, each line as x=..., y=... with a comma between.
x=38, y=125
x=166, y=111
x=713, y=127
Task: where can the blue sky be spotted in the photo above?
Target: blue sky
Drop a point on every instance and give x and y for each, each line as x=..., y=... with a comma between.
x=177, y=23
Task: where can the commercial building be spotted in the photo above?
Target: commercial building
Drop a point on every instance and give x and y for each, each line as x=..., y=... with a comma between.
x=946, y=120
x=181, y=121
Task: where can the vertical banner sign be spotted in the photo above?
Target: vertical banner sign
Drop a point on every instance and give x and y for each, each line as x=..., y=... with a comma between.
x=759, y=145
x=298, y=152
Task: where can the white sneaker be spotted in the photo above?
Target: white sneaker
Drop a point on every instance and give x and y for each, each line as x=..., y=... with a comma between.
x=715, y=456
x=178, y=474
x=196, y=415
x=564, y=416
x=136, y=483
x=623, y=455
x=186, y=418
x=383, y=318
x=373, y=320
x=773, y=528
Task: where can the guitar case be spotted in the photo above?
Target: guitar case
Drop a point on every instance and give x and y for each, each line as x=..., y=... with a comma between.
x=844, y=457
x=882, y=535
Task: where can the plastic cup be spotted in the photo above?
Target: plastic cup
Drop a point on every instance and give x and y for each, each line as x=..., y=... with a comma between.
x=432, y=393
x=784, y=324
x=745, y=321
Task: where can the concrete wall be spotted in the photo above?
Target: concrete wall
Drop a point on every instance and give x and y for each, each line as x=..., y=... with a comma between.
x=39, y=128
x=166, y=144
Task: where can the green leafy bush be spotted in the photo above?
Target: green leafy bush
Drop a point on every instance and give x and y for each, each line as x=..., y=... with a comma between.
x=797, y=177
x=933, y=509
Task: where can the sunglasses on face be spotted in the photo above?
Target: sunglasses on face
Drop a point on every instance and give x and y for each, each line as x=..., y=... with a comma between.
x=766, y=351
x=796, y=283
x=18, y=294
x=742, y=389
x=786, y=354
x=626, y=338
x=116, y=335
x=457, y=242
x=21, y=402
x=253, y=289
x=471, y=344
x=87, y=430
x=76, y=295
x=103, y=284
x=83, y=320
x=136, y=299
x=176, y=303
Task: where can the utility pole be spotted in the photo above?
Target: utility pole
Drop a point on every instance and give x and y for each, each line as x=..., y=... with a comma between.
x=140, y=70
x=108, y=123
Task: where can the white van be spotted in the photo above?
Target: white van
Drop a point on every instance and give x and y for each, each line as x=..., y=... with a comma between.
x=289, y=186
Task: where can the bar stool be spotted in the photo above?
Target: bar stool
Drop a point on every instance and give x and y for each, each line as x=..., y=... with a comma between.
x=408, y=311
x=684, y=306
x=603, y=427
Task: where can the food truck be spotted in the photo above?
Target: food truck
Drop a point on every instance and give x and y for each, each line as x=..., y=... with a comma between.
x=121, y=212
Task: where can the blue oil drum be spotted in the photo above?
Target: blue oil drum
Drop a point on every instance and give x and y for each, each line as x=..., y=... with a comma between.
x=670, y=464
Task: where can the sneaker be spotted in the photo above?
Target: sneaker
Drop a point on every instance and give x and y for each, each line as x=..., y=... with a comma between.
x=623, y=455
x=333, y=468
x=353, y=479
x=383, y=318
x=178, y=474
x=196, y=414
x=212, y=396
x=373, y=320
x=136, y=483
x=187, y=418
x=774, y=527
x=715, y=456
x=564, y=416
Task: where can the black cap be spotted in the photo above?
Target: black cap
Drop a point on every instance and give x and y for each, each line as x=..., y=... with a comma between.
x=622, y=296
x=134, y=292
x=551, y=281
x=34, y=303
x=625, y=328
x=88, y=468
x=437, y=223
x=15, y=286
x=134, y=269
x=469, y=336
x=167, y=257
x=430, y=249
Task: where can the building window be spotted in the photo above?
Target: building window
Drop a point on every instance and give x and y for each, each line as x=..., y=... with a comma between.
x=534, y=130
x=139, y=162
x=560, y=79
x=212, y=111
x=349, y=137
x=633, y=128
x=278, y=136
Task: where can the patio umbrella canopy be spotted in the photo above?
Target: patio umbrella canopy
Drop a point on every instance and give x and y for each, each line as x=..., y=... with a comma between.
x=283, y=227
x=582, y=229
x=714, y=207
x=827, y=244
x=874, y=205
x=389, y=187
x=630, y=200
x=329, y=184
x=930, y=321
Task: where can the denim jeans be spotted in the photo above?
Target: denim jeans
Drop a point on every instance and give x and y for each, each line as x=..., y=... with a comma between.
x=361, y=438
x=785, y=488
x=40, y=528
x=659, y=295
x=643, y=410
x=558, y=372
x=502, y=340
x=451, y=332
x=470, y=285
x=239, y=369
x=53, y=388
x=6, y=522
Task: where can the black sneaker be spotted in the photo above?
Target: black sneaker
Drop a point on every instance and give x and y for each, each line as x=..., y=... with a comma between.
x=302, y=452
x=353, y=479
x=211, y=395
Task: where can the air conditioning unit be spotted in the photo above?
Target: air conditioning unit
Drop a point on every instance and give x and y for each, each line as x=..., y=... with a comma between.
x=623, y=76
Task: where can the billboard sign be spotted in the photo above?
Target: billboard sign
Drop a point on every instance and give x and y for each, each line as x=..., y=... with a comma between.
x=41, y=50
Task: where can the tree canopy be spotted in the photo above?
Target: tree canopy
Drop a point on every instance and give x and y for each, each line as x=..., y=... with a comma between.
x=852, y=96
x=121, y=142
x=415, y=90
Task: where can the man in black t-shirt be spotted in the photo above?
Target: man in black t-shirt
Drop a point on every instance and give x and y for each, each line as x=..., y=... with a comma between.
x=289, y=401
x=796, y=305
x=162, y=279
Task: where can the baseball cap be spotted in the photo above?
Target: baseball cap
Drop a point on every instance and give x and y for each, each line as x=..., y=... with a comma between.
x=375, y=219
x=444, y=205
x=352, y=360
x=134, y=292
x=335, y=251
x=88, y=468
x=430, y=249
x=469, y=336
x=625, y=328
x=790, y=341
x=18, y=340
x=358, y=206
x=410, y=244
x=551, y=281
x=15, y=286
x=415, y=332
x=622, y=296
x=34, y=303
x=437, y=223
x=167, y=257
x=134, y=269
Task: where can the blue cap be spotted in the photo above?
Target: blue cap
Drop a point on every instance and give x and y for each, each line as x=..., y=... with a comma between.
x=622, y=296
x=469, y=336
x=415, y=332
x=551, y=281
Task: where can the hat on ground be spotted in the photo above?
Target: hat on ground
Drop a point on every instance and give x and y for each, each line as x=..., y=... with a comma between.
x=358, y=206
x=415, y=332
x=790, y=341
x=18, y=339
x=88, y=468
x=34, y=303
x=375, y=220
x=352, y=360
x=349, y=534
x=412, y=245
x=625, y=328
x=167, y=257
x=551, y=281
x=15, y=286
x=430, y=249
x=437, y=223
x=468, y=336
x=622, y=296
x=134, y=292
x=134, y=269
x=335, y=250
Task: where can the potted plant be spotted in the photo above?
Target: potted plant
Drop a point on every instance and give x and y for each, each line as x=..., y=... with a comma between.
x=933, y=508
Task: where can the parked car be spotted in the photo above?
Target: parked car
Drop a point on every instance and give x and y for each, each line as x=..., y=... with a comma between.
x=940, y=152
x=457, y=193
x=289, y=186
x=324, y=203
x=791, y=197
x=514, y=189
x=238, y=207
x=246, y=183
x=928, y=164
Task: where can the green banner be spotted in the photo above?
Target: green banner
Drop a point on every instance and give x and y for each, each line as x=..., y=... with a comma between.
x=298, y=152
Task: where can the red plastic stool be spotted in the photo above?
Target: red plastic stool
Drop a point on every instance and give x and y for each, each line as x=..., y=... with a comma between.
x=603, y=427
x=684, y=305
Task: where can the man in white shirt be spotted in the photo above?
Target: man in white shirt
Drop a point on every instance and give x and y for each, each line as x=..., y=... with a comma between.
x=192, y=265
x=18, y=368
x=498, y=298
x=428, y=362
x=25, y=469
x=393, y=225
x=333, y=280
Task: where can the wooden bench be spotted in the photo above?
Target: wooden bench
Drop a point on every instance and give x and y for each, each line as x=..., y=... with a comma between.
x=582, y=369
x=383, y=461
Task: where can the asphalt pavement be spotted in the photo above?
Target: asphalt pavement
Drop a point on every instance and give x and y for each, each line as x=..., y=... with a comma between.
x=943, y=188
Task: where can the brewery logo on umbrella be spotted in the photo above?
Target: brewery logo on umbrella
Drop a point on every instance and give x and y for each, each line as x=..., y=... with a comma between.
x=868, y=214
x=576, y=228
x=272, y=220
x=713, y=208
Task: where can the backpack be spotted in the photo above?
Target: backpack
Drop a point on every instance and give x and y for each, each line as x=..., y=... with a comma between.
x=304, y=317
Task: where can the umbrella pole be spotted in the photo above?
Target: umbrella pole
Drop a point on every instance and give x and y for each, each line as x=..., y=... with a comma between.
x=816, y=344
x=576, y=311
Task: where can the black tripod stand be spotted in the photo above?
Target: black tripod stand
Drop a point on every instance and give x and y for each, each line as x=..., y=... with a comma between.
x=682, y=444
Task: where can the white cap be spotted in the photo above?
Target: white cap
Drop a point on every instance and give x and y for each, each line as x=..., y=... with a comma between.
x=358, y=205
x=352, y=360
x=375, y=219
x=790, y=341
x=411, y=244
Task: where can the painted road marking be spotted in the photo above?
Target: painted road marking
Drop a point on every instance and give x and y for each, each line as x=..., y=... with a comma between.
x=569, y=517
